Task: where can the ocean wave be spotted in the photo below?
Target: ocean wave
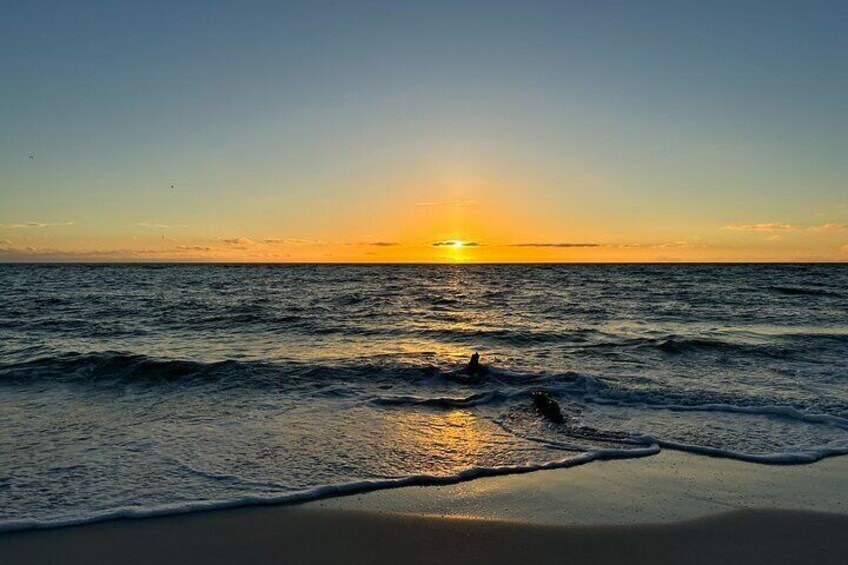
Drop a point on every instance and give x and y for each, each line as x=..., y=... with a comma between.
x=325, y=491
x=804, y=291
x=575, y=435
x=787, y=412
x=125, y=367
x=439, y=402
x=784, y=346
x=676, y=345
x=525, y=336
x=418, y=384
x=112, y=366
x=795, y=456
x=501, y=396
x=609, y=393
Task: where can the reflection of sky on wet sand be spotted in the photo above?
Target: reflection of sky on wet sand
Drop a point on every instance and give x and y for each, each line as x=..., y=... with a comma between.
x=622, y=492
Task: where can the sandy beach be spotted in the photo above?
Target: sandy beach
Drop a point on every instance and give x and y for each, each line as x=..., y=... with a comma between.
x=669, y=487
x=681, y=509
x=299, y=535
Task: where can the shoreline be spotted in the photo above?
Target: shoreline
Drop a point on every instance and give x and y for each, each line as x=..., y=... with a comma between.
x=670, y=486
x=667, y=506
x=301, y=535
x=450, y=496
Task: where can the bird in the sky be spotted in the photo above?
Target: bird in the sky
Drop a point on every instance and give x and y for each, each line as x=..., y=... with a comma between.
x=172, y=186
x=31, y=157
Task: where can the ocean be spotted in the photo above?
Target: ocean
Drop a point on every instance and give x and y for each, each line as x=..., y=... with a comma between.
x=136, y=390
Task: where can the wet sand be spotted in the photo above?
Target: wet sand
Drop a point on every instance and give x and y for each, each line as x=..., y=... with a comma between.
x=671, y=508
x=671, y=486
x=301, y=535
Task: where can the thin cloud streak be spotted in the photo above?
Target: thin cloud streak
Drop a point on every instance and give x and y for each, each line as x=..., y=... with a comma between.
x=769, y=226
x=456, y=243
x=681, y=245
x=26, y=225
x=830, y=228
x=47, y=254
x=554, y=245
x=778, y=226
x=162, y=226
x=241, y=242
x=296, y=242
x=292, y=241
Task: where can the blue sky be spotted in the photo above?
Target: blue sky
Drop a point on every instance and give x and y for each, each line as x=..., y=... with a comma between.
x=642, y=124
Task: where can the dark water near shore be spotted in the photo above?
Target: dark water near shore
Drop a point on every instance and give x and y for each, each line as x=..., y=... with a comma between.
x=129, y=390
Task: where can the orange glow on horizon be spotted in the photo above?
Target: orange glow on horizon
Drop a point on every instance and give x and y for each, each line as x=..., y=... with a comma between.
x=458, y=224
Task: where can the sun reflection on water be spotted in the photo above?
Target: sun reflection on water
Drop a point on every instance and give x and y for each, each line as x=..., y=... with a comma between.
x=448, y=441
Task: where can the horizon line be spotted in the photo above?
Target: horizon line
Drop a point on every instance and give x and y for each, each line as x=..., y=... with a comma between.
x=436, y=263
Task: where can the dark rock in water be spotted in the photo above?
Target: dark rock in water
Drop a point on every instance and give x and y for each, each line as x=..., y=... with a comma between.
x=474, y=368
x=548, y=407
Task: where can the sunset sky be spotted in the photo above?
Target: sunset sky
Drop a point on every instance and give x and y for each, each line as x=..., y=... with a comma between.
x=424, y=131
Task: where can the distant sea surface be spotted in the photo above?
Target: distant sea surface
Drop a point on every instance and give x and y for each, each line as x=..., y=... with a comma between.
x=130, y=390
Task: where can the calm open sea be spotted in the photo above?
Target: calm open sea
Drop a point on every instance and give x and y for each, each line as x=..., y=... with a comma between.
x=140, y=389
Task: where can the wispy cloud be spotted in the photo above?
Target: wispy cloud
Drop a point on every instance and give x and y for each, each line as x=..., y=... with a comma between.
x=782, y=227
x=162, y=226
x=384, y=244
x=448, y=203
x=456, y=243
x=241, y=243
x=25, y=225
x=201, y=248
x=291, y=241
x=31, y=253
x=566, y=244
x=179, y=252
x=663, y=245
x=681, y=245
x=831, y=228
x=770, y=226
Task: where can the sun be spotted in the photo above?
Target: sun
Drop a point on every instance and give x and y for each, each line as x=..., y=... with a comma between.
x=457, y=243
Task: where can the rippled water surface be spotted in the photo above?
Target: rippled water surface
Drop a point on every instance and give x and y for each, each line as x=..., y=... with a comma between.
x=129, y=390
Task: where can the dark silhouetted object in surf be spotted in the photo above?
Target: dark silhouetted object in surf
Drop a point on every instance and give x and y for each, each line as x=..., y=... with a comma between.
x=474, y=368
x=547, y=406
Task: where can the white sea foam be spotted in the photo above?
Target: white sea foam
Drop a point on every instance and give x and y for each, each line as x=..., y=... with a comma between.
x=325, y=491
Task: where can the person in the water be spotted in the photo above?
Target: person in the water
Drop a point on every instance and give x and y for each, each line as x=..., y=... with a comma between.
x=474, y=367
